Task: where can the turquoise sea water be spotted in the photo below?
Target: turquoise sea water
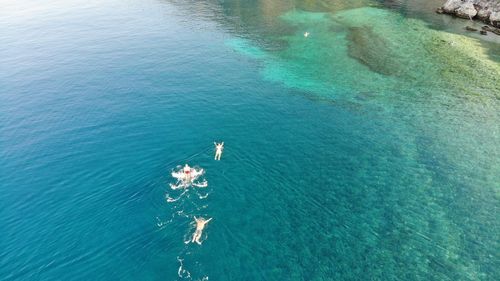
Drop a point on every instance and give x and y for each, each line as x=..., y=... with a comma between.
x=369, y=150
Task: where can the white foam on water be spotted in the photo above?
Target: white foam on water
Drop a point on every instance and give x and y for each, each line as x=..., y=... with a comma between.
x=184, y=182
x=181, y=272
x=161, y=223
x=188, y=236
x=182, y=214
x=203, y=196
x=170, y=199
x=202, y=184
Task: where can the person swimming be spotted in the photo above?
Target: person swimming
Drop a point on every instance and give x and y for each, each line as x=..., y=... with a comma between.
x=200, y=225
x=306, y=34
x=187, y=176
x=187, y=173
x=218, y=150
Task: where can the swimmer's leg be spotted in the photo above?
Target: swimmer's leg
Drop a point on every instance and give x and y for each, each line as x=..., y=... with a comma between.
x=196, y=236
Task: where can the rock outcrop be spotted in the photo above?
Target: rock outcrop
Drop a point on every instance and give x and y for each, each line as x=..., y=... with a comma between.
x=495, y=17
x=485, y=10
x=466, y=11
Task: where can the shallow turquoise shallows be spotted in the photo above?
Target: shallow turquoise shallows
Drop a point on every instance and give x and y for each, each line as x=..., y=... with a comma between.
x=362, y=141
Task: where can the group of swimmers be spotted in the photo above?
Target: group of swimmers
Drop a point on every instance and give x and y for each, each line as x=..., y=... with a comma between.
x=187, y=177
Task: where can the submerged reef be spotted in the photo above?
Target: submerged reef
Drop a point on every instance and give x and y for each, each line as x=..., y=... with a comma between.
x=386, y=52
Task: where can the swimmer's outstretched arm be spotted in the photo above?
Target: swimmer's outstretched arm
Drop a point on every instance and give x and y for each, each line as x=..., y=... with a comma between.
x=208, y=220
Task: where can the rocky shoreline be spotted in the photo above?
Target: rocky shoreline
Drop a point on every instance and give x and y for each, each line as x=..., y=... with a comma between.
x=487, y=11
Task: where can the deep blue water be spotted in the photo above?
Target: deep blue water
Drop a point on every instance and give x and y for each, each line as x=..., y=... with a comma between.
x=338, y=165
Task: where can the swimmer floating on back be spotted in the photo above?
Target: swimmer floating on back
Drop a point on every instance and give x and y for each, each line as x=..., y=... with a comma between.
x=218, y=150
x=200, y=225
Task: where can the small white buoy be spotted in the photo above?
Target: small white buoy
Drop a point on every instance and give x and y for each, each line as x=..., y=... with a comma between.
x=306, y=34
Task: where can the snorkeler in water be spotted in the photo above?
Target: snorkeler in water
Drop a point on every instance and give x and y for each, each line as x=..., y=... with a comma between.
x=218, y=150
x=200, y=225
x=187, y=173
x=187, y=176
